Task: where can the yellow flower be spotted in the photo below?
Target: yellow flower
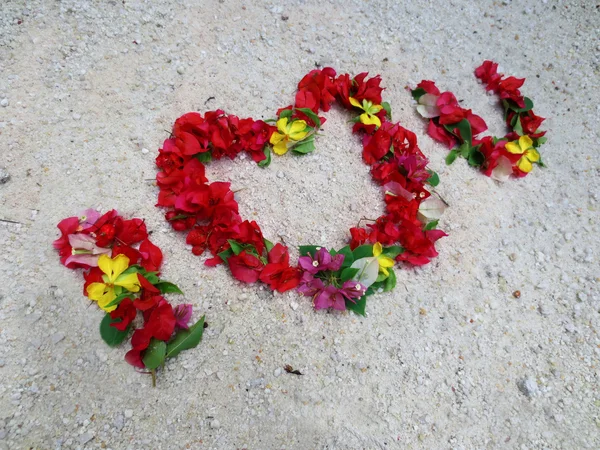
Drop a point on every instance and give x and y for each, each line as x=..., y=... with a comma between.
x=524, y=146
x=114, y=282
x=368, y=117
x=288, y=134
x=385, y=262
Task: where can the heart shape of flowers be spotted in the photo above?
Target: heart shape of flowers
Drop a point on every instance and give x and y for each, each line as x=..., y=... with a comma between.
x=338, y=279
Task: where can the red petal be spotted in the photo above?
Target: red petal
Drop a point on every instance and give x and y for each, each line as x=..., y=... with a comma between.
x=151, y=256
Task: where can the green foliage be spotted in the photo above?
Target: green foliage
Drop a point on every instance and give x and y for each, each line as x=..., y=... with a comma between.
x=186, y=339
x=358, y=307
x=154, y=356
x=266, y=162
x=166, y=287
x=111, y=335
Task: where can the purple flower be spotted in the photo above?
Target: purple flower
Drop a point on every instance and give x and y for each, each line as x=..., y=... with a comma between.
x=309, y=285
x=352, y=289
x=183, y=314
x=321, y=262
x=330, y=297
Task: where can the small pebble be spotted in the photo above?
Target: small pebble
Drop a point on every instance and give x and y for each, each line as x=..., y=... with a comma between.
x=294, y=305
x=215, y=424
x=4, y=175
x=145, y=151
x=280, y=174
x=180, y=70
x=128, y=413
x=4, y=102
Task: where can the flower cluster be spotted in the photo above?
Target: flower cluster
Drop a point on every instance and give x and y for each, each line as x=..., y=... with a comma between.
x=458, y=128
x=121, y=271
x=208, y=212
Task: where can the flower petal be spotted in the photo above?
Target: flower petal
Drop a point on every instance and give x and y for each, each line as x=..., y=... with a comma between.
x=524, y=165
x=377, y=249
x=525, y=143
x=430, y=209
x=280, y=148
x=503, y=170
x=429, y=112
x=514, y=148
x=276, y=137
x=95, y=291
x=298, y=135
x=368, y=270
x=282, y=125
x=532, y=155
x=119, y=264
x=355, y=102
x=367, y=119
x=129, y=282
x=297, y=126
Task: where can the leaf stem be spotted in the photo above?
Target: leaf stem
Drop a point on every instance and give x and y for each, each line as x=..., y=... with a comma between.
x=153, y=372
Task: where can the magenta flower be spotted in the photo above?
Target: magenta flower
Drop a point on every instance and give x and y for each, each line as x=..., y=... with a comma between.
x=321, y=262
x=309, y=285
x=330, y=297
x=183, y=314
x=352, y=290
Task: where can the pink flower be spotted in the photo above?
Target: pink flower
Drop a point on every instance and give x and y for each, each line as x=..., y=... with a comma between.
x=183, y=314
x=322, y=261
x=84, y=250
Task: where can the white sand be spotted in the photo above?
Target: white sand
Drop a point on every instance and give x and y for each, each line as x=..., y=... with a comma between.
x=450, y=359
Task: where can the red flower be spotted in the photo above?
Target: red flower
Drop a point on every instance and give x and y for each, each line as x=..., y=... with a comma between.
x=245, y=267
x=151, y=256
x=277, y=273
x=418, y=244
x=367, y=90
x=249, y=233
x=429, y=87
x=359, y=237
x=440, y=134
x=488, y=74
x=66, y=227
x=316, y=90
x=377, y=145
x=126, y=312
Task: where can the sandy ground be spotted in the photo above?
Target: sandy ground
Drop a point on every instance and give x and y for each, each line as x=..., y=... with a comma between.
x=450, y=359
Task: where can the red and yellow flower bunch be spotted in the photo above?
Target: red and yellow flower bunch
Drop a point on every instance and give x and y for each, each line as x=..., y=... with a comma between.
x=458, y=128
x=121, y=270
x=209, y=214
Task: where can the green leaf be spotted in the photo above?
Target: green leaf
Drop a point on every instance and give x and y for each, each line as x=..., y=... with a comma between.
x=380, y=278
x=348, y=256
x=186, y=339
x=518, y=126
x=476, y=158
x=119, y=298
x=305, y=146
x=205, y=157
x=418, y=93
x=154, y=355
x=286, y=113
x=224, y=255
x=266, y=162
x=362, y=251
x=431, y=225
x=358, y=307
x=270, y=120
x=348, y=273
x=235, y=247
x=465, y=131
x=166, y=287
x=388, y=109
x=434, y=178
x=528, y=106
x=452, y=156
x=541, y=141
x=111, y=335
x=309, y=250
x=390, y=282
x=464, y=149
x=311, y=115
x=268, y=245
x=392, y=251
